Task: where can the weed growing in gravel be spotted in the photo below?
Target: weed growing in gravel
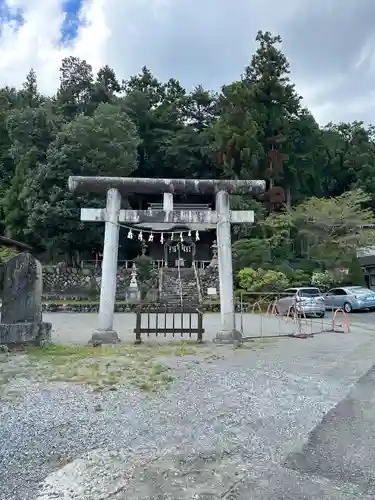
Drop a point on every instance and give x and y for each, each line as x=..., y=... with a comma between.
x=108, y=366
x=12, y=367
x=144, y=367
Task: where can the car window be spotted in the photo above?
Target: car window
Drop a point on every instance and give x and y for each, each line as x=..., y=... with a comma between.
x=309, y=292
x=290, y=292
x=336, y=291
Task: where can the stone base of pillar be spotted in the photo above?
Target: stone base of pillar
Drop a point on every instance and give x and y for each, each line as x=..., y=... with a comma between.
x=104, y=337
x=225, y=337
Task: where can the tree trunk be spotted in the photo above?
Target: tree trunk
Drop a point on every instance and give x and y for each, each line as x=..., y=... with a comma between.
x=68, y=259
x=288, y=197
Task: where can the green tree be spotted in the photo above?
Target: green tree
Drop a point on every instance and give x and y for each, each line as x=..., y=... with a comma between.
x=15, y=202
x=306, y=167
x=355, y=274
x=29, y=94
x=180, y=133
x=76, y=87
x=30, y=128
x=236, y=148
x=144, y=94
x=103, y=144
x=185, y=143
x=8, y=103
x=276, y=106
x=260, y=112
x=174, y=127
x=334, y=228
x=105, y=87
x=252, y=253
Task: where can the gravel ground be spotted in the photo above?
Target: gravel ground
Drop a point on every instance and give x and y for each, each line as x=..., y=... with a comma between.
x=222, y=430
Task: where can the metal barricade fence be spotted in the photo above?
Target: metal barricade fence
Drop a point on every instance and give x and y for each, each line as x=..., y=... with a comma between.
x=258, y=316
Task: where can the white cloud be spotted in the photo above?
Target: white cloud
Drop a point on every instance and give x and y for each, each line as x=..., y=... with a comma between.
x=206, y=42
x=36, y=44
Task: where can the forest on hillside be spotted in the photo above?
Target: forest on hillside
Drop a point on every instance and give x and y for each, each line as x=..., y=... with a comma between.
x=320, y=180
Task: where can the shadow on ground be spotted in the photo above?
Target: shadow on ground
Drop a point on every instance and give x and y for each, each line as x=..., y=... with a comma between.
x=342, y=446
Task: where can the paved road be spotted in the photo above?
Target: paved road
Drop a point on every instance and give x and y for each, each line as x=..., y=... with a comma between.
x=342, y=445
x=77, y=328
x=363, y=318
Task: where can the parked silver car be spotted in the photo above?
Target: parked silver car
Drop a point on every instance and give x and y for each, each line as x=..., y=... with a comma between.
x=308, y=301
x=350, y=298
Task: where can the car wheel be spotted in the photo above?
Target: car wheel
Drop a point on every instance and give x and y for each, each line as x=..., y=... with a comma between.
x=347, y=307
x=321, y=315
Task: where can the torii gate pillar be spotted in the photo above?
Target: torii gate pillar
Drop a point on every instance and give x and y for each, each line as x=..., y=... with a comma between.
x=222, y=217
x=109, y=270
x=225, y=265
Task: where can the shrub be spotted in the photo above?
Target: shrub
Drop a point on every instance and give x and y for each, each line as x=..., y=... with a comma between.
x=144, y=267
x=262, y=280
x=296, y=277
x=323, y=280
x=145, y=270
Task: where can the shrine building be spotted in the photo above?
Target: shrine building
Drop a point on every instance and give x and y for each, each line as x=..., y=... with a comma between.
x=181, y=244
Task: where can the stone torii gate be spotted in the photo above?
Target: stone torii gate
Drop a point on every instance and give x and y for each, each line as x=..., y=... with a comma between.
x=112, y=215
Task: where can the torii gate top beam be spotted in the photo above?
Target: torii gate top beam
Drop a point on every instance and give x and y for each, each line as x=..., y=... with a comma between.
x=127, y=185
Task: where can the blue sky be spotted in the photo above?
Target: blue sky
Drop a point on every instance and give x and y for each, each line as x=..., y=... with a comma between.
x=8, y=15
x=69, y=27
x=329, y=43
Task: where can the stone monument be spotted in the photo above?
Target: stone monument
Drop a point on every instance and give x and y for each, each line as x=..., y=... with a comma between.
x=21, y=312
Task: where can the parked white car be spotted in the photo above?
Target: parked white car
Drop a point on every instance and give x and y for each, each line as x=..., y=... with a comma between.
x=307, y=301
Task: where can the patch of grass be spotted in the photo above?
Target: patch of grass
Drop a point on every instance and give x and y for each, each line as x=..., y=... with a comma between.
x=106, y=367
x=5, y=379
x=58, y=351
x=11, y=369
x=144, y=367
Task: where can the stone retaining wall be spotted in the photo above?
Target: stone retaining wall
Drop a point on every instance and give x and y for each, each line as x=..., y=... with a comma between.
x=209, y=278
x=62, y=282
x=208, y=307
